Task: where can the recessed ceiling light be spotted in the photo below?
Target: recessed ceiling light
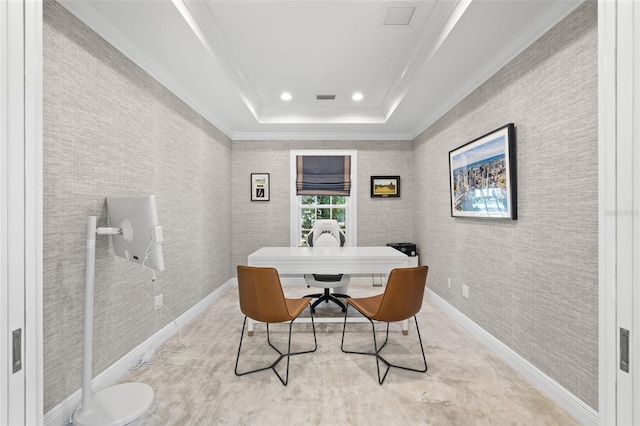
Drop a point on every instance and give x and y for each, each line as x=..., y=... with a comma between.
x=357, y=96
x=286, y=96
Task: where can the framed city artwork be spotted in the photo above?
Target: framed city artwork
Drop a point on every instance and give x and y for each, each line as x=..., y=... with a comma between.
x=482, y=175
x=259, y=186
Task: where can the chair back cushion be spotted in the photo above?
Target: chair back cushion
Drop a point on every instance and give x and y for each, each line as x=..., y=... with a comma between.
x=403, y=295
x=261, y=295
x=326, y=240
x=326, y=233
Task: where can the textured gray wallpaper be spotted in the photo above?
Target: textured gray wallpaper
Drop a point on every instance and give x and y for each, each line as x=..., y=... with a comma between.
x=110, y=129
x=533, y=282
x=257, y=224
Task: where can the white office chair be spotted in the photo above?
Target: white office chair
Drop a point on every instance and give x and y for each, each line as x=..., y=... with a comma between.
x=327, y=233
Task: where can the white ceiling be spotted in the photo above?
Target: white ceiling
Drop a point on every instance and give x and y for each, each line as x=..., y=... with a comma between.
x=231, y=60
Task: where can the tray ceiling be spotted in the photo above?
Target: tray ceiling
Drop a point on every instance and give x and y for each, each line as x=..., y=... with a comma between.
x=232, y=60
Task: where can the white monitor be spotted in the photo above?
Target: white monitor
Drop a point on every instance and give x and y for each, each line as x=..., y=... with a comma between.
x=141, y=238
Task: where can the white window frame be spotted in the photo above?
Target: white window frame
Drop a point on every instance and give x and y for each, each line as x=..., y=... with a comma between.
x=316, y=207
x=351, y=204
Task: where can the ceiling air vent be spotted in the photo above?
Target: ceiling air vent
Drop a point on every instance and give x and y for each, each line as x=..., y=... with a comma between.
x=398, y=15
x=325, y=97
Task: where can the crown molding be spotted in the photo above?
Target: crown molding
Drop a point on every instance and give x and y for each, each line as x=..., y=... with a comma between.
x=320, y=136
x=87, y=14
x=530, y=35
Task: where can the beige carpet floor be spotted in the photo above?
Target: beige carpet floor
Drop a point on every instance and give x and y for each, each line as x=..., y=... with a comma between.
x=464, y=385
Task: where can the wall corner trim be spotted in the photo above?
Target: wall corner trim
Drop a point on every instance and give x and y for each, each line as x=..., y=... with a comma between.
x=552, y=389
x=61, y=413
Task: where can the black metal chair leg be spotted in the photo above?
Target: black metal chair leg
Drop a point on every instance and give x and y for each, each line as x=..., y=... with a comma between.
x=244, y=323
x=380, y=358
x=288, y=354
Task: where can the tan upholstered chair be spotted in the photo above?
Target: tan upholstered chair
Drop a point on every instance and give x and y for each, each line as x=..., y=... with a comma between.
x=401, y=300
x=262, y=299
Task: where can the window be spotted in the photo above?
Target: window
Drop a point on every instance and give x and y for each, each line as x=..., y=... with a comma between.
x=305, y=209
x=314, y=207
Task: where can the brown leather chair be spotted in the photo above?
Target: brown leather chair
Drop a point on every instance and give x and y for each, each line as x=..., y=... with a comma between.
x=401, y=300
x=262, y=299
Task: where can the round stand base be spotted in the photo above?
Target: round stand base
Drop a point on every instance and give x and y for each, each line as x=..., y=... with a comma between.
x=116, y=405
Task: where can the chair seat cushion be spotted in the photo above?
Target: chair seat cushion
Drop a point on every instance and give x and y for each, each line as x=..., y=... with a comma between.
x=296, y=306
x=368, y=306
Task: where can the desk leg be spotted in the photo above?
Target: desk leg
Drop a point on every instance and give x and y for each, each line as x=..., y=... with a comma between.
x=249, y=327
x=405, y=327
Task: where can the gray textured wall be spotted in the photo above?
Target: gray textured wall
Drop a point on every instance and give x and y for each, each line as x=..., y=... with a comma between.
x=533, y=282
x=257, y=224
x=110, y=129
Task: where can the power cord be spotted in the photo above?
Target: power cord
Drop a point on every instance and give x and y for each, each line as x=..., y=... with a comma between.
x=156, y=238
x=163, y=350
x=148, y=252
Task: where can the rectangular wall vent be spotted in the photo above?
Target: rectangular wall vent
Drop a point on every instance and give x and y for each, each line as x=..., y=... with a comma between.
x=325, y=97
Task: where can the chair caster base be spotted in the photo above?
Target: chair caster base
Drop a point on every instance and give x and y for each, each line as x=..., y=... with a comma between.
x=328, y=297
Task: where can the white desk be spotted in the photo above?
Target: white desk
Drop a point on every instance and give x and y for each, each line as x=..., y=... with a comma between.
x=330, y=260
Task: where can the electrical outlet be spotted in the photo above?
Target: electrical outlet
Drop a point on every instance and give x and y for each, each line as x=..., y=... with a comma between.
x=465, y=291
x=449, y=282
x=157, y=302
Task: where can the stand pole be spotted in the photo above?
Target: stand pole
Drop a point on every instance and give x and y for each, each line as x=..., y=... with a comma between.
x=88, y=312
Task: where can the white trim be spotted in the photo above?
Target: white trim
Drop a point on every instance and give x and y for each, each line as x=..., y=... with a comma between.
x=635, y=291
x=619, y=181
x=5, y=347
x=352, y=202
x=607, y=365
x=323, y=136
x=572, y=404
x=625, y=196
x=34, y=228
x=19, y=143
x=62, y=412
x=627, y=215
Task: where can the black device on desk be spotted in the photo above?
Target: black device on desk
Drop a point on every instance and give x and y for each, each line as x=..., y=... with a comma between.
x=407, y=248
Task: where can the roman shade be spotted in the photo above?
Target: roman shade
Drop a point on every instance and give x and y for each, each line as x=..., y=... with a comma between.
x=323, y=174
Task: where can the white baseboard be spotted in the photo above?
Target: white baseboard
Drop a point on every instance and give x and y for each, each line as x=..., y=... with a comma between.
x=552, y=389
x=61, y=413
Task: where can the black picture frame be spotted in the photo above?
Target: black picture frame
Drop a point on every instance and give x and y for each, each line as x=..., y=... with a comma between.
x=482, y=176
x=385, y=186
x=260, y=187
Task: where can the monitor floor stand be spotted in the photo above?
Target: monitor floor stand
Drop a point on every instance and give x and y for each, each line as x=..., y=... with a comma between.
x=115, y=405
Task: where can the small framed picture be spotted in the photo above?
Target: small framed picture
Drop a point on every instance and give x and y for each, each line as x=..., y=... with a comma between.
x=385, y=186
x=259, y=186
